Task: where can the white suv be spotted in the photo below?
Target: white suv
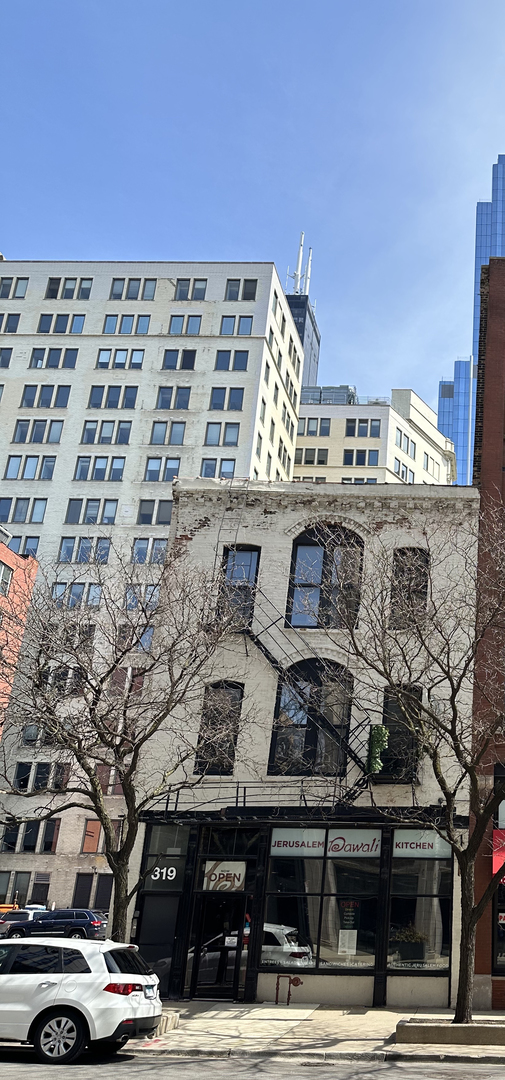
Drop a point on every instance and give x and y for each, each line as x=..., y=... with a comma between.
x=64, y=995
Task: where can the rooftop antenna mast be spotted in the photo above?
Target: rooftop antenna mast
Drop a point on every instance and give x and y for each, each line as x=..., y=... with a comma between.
x=308, y=271
x=297, y=276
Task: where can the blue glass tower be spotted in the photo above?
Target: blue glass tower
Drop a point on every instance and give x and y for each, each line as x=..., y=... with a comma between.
x=454, y=404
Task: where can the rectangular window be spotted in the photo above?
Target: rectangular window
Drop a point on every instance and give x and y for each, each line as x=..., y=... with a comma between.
x=350, y=428
x=5, y=509
x=235, y=398
x=28, y=398
x=89, y=431
x=96, y=397
x=177, y=434
x=45, y=397
x=375, y=429
x=164, y=400
x=102, y=551
x=129, y=397
x=249, y=289
x=310, y=454
x=143, y=324
x=311, y=425
x=223, y=359
x=164, y=515
x=83, y=550
x=110, y=324
x=227, y=470
x=412, y=449
x=120, y=357
x=217, y=738
x=182, y=289
x=11, y=832
x=113, y=395
x=109, y=511
x=240, y=359
x=31, y=545
x=188, y=359
x=259, y=442
x=5, y=357
x=324, y=427
x=136, y=358
x=139, y=551
x=398, y=437
x=322, y=457
x=360, y=457
x=74, y=510
x=267, y=373
x=158, y=433
x=106, y=431
x=133, y=289
x=232, y=289
x=91, y=837
x=397, y=466
x=37, y=358
x=85, y=288
x=117, y=288
x=91, y=512
x=411, y=476
x=228, y=325
x=153, y=468
x=21, y=431
x=82, y=468
x=373, y=457
x=170, y=359
x=5, y=288
x=126, y=324
x=94, y=595
x=11, y=324
x=123, y=432
x=20, y=510
x=146, y=512
x=70, y=358
x=50, y=836
x=425, y=462
x=217, y=397
x=69, y=289
x=62, y=396
x=149, y=289
x=231, y=435
x=158, y=551
x=47, y=468
x=38, y=510
x=362, y=429
x=193, y=324
x=176, y=324
x=117, y=468
x=348, y=457
x=45, y=323
x=182, y=396
x=208, y=467
x=30, y=836
x=213, y=435
x=245, y=325
x=13, y=466
x=77, y=324
x=171, y=469
x=405, y=444
x=53, y=357
x=104, y=356
x=30, y=467
x=66, y=552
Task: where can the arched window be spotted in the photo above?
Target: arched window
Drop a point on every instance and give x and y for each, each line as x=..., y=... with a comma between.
x=325, y=578
x=312, y=719
x=217, y=738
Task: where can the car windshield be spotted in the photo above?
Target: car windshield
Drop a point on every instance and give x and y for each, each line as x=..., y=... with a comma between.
x=127, y=961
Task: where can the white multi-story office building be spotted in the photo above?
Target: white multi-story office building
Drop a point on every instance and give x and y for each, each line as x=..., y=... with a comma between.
x=117, y=377
x=378, y=441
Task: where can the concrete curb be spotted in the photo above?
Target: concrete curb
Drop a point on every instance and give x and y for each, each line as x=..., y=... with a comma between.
x=322, y=1055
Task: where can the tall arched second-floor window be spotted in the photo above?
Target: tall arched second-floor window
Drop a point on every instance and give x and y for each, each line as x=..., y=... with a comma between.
x=325, y=578
x=312, y=718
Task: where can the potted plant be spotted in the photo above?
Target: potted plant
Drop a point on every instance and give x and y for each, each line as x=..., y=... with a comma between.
x=410, y=942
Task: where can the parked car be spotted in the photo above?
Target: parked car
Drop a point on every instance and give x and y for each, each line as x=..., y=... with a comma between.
x=284, y=945
x=63, y=922
x=63, y=996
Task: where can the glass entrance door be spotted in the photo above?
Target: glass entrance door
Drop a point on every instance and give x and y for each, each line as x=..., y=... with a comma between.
x=220, y=951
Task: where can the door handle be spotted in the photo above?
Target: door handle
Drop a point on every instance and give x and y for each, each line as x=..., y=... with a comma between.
x=47, y=984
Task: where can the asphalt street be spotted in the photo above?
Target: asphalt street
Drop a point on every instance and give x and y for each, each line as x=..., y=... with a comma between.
x=21, y=1065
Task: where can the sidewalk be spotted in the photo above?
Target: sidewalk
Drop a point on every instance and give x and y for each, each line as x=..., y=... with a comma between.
x=307, y=1032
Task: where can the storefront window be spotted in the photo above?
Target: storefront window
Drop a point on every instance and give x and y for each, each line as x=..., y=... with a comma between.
x=322, y=912
x=420, y=923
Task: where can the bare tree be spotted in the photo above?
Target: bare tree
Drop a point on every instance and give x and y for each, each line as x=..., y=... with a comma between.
x=111, y=683
x=423, y=626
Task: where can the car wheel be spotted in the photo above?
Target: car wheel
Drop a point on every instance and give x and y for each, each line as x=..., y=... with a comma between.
x=59, y=1037
x=76, y=934
x=16, y=933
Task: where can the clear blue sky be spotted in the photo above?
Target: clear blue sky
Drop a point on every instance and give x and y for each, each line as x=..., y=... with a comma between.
x=218, y=130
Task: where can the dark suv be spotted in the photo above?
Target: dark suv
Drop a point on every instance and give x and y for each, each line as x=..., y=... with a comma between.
x=64, y=922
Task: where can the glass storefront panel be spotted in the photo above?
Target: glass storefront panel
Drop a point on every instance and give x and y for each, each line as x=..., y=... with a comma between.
x=295, y=875
x=348, y=876
x=411, y=877
x=419, y=935
x=290, y=931
x=348, y=932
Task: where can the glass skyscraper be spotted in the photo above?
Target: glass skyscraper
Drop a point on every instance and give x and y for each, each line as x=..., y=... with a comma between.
x=454, y=405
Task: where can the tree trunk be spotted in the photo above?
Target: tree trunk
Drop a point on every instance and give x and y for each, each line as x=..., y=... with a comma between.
x=120, y=902
x=464, y=1001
